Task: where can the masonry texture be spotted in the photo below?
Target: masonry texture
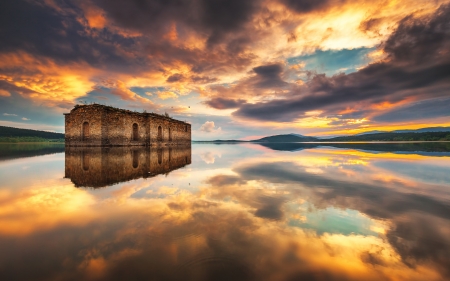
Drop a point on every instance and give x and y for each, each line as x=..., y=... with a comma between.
x=97, y=167
x=99, y=125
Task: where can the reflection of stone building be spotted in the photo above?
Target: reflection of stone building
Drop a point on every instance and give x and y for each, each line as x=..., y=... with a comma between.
x=103, y=166
x=99, y=125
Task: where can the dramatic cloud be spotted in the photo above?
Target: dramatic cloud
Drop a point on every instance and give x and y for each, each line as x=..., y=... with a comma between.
x=221, y=103
x=304, y=6
x=264, y=59
x=175, y=78
x=353, y=180
x=417, y=68
x=217, y=18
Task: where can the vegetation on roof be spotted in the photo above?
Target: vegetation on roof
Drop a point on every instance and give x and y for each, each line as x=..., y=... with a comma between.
x=111, y=108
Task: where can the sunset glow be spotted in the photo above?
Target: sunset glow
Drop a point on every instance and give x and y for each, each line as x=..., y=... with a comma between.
x=256, y=67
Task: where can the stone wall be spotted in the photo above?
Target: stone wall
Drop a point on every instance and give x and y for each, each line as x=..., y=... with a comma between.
x=103, y=166
x=181, y=132
x=74, y=125
x=118, y=128
x=110, y=126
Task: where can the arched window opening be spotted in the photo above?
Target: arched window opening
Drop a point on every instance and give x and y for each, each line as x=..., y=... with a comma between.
x=159, y=133
x=135, y=155
x=135, y=132
x=170, y=154
x=85, y=131
x=85, y=161
x=170, y=134
x=160, y=156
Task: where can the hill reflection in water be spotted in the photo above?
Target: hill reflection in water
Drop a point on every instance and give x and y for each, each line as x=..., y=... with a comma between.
x=103, y=166
x=421, y=148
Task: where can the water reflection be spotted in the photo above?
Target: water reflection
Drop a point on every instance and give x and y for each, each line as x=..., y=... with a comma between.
x=10, y=151
x=238, y=212
x=102, y=166
x=422, y=148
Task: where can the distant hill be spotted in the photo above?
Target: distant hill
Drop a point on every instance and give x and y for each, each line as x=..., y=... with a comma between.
x=421, y=148
x=219, y=141
x=423, y=130
x=407, y=136
x=287, y=138
x=16, y=132
x=427, y=136
x=371, y=132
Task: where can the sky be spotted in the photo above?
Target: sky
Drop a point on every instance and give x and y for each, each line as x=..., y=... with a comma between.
x=233, y=69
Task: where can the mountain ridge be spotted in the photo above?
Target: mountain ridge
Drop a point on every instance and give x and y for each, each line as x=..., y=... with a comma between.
x=422, y=130
x=423, y=134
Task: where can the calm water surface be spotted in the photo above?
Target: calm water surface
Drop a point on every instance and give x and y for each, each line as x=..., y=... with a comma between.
x=226, y=212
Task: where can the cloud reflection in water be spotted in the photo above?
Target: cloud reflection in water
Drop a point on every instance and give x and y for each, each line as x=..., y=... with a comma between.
x=253, y=214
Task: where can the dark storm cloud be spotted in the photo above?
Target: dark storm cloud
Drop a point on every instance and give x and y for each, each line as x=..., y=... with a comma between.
x=418, y=68
x=42, y=31
x=217, y=61
x=417, y=111
x=305, y=6
x=175, y=78
x=216, y=18
x=221, y=103
x=424, y=40
x=224, y=16
x=269, y=76
x=62, y=34
x=262, y=78
x=32, y=27
x=269, y=70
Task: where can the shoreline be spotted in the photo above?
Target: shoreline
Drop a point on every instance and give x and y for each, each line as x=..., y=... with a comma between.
x=319, y=142
x=46, y=142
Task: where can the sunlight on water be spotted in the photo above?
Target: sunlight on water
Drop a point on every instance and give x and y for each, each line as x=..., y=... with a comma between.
x=226, y=212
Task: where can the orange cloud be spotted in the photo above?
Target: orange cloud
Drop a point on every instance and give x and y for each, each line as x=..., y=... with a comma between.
x=45, y=79
x=167, y=95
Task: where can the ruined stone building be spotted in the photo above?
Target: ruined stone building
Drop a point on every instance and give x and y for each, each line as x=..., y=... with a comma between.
x=97, y=167
x=99, y=125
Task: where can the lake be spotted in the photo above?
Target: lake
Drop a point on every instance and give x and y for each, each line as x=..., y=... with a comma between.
x=226, y=212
